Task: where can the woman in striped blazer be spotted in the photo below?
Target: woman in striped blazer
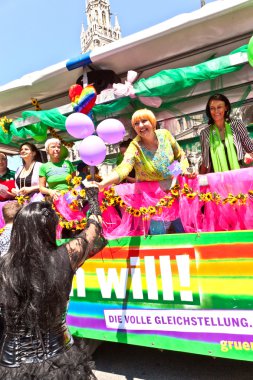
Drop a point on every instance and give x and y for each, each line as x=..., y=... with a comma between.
x=225, y=141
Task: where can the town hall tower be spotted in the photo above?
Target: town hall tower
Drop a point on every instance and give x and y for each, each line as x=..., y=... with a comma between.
x=99, y=28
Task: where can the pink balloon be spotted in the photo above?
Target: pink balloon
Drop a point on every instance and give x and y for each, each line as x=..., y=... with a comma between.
x=111, y=131
x=92, y=150
x=79, y=125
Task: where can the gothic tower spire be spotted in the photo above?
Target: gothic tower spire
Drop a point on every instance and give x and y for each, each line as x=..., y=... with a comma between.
x=99, y=30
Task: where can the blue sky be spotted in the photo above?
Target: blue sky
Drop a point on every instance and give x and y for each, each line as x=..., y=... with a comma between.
x=37, y=34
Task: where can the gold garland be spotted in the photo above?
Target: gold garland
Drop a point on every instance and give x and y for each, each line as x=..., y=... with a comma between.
x=111, y=199
x=72, y=224
x=36, y=104
x=57, y=136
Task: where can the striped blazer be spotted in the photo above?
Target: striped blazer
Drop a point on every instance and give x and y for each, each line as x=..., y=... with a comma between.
x=242, y=141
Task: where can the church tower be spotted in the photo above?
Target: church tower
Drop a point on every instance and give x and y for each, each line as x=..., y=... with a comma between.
x=99, y=28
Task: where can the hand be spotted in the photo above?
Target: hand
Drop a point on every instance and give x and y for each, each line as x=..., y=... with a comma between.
x=4, y=193
x=101, y=185
x=87, y=184
x=248, y=158
x=190, y=173
x=15, y=192
x=97, y=218
x=24, y=190
x=54, y=194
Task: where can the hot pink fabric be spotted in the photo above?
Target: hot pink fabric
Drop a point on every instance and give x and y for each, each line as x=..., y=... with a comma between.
x=2, y=222
x=196, y=215
x=229, y=217
x=136, y=195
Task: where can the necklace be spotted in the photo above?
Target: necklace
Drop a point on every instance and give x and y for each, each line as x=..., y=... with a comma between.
x=26, y=173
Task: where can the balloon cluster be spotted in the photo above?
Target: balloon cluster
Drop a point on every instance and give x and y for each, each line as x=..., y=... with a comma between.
x=92, y=149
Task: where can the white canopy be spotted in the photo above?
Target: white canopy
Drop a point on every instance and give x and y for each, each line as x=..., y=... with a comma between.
x=214, y=30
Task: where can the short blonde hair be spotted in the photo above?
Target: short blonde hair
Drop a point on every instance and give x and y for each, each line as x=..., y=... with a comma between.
x=51, y=141
x=144, y=114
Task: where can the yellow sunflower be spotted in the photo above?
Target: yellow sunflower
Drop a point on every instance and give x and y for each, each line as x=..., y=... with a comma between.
x=76, y=181
x=122, y=203
x=82, y=193
x=232, y=201
x=68, y=178
x=191, y=195
x=110, y=202
x=137, y=213
x=151, y=210
x=162, y=202
x=174, y=192
x=74, y=192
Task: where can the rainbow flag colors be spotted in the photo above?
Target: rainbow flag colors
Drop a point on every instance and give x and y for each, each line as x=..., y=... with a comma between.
x=182, y=292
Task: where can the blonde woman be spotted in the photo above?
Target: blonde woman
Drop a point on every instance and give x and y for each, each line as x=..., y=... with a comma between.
x=150, y=154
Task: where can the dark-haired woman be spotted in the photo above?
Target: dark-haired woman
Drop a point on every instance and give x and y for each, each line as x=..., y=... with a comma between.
x=35, y=279
x=225, y=141
x=27, y=175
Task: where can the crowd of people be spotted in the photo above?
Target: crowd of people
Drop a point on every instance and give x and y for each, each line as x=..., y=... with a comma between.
x=36, y=275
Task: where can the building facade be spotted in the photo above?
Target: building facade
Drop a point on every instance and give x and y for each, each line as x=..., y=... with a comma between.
x=100, y=30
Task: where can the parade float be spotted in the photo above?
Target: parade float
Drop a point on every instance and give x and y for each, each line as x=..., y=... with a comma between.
x=185, y=292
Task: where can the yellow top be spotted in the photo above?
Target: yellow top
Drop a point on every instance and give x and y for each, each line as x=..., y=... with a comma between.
x=152, y=166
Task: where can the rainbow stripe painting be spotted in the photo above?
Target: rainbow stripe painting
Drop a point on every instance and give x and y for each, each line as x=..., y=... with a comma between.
x=187, y=292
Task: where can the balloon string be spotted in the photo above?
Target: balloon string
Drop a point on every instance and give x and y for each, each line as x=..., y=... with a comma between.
x=92, y=172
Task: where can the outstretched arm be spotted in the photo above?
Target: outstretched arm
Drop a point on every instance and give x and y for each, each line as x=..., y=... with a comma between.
x=90, y=241
x=111, y=179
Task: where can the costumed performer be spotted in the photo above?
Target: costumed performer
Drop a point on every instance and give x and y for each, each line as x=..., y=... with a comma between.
x=225, y=141
x=36, y=278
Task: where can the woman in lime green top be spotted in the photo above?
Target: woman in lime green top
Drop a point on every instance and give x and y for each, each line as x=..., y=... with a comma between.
x=149, y=154
x=54, y=172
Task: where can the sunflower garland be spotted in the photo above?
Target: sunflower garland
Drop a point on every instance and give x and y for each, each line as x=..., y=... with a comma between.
x=111, y=199
x=5, y=124
x=74, y=181
x=57, y=136
x=73, y=225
